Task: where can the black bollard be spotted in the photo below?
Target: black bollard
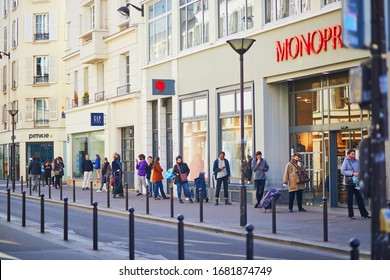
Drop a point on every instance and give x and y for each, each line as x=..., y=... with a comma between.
x=325, y=218
x=249, y=242
x=49, y=186
x=8, y=204
x=181, y=236
x=7, y=181
x=95, y=226
x=131, y=234
x=273, y=201
x=171, y=200
x=91, y=193
x=30, y=183
x=74, y=190
x=147, y=200
x=200, y=197
x=21, y=184
x=354, y=243
x=23, y=208
x=39, y=186
x=108, y=191
x=127, y=196
x=42, y=213
x=65, y=218
x=60, y=189
x=27, y=180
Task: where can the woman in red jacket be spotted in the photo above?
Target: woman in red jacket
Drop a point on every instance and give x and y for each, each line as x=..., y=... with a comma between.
x=156, y=178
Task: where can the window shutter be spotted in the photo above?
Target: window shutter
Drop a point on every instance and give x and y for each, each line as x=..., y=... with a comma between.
x=52, y=69
x=53, y=108
x=29, y=109
x=28, y=28
x=29, y=70
x=52, y=26
x=17, y=32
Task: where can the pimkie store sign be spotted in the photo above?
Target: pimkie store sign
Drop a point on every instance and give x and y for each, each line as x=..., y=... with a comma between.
x=312, y=43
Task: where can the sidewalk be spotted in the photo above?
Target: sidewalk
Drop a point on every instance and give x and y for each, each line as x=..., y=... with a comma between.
x=297, y=229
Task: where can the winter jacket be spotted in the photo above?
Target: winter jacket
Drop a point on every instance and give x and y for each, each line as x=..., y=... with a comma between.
x=349, y=167
x=184, y=170
x=156, y=173
x=216, y=167
x=87, y=165
x=34, y=168
x=291, y=177
x=141, y=167
x=97, y=163
x=259, y=174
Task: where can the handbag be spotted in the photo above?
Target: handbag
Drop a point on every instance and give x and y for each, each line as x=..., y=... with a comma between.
x=183, y=176
x=349, y=179
x=303, y=178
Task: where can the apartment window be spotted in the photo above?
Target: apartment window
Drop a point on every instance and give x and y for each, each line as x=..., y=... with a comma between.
x=279, y=9
x=5, y=8
x=327, y=2
x=41, y=27
x=41, y=111
x=4, y=79
x=4, y=115
x=14, y=33
x=5, y=39
x=41, y=74
x=92, y=17
x=128, y=158
x=194, y=23
x=15, y=4
x=234, y=16
x=230, y=140
x=160, y=30
x=194, y=128
x=14, y=74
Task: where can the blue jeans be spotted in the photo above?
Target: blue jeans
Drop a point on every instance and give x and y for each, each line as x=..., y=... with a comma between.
x=104, y=181
x=150, y=186
x=186, y=189
x=159, y=186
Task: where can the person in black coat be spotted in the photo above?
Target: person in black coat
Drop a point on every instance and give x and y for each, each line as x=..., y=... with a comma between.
x=34, y=168
x=221, y=169
x=181, y=171
x=48, y=168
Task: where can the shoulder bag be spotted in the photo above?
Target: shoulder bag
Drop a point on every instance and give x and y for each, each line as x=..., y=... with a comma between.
x=183, y=176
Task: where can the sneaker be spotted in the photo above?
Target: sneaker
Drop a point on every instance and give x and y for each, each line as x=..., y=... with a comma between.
x=191, y=201
x=81, y=189
x=256, y=205
x=138, y=194
x=98, y=191
x=87, y=188
x=302, y=210
x=290, y=211
x=186, y=198
x=180, y=201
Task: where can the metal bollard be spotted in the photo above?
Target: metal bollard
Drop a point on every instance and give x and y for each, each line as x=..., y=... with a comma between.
x=49, y=186
x=200, y=197
x=21, y=184
x=91, y=193
x=273, y=201
x=131, y=234
x=249, y=242
x=30, y=180
x=27, y=180
x=171, y=200
x=65, y=218
x=127, y=196
x=74, y=190
x=7, y=181
x=42, y=213
x=147, y=200
x=325, y=218
x=23, y=208
x=39, y=186
x=95, y=226
x=8, y=204
x=60, y=189
x=354, y=243
x=181, y=236
x=108, y=192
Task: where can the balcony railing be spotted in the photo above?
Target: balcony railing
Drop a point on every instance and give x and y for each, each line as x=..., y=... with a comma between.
x=99, y=96
x=123, y=90
x=41, y=79
x=41, y=37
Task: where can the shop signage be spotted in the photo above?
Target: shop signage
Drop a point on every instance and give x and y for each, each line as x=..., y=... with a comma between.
x=163, y=87
x=38, y=135
x=311, y=43
x=97, y=119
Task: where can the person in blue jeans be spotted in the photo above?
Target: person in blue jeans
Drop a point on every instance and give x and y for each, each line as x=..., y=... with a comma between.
x=106, y=171
x=181, y=171
x=156, y=178
x=148, y=174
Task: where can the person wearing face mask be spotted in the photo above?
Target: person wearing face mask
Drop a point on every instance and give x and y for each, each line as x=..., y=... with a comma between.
x=294, y=187
x=350, y=168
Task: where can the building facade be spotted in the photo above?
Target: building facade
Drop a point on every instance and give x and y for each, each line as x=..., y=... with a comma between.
x=296, y=87
x=33, y=81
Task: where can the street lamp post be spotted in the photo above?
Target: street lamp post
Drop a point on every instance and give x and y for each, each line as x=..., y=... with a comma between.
x=241, y=46
x=13, y=113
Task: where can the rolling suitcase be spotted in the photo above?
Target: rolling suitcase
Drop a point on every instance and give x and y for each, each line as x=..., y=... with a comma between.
x=266, y=202
x=200, y=183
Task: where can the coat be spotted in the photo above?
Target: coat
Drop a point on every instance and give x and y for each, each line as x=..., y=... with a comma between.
x=156, y=173
x=216, y=167
x=291, y=177
x=184, y=170
x=141, y=167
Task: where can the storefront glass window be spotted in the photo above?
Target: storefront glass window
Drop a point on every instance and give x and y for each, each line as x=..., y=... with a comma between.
x=83, y=143
x=195, y=136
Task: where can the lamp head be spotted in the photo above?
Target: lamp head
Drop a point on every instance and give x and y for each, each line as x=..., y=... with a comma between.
x=13, y=112
x=241, y=45
x=124, y=10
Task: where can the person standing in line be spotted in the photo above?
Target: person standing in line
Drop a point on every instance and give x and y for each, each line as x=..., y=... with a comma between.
x=61, y=167
x=34, y=168
x=351, y=168
x=141, y=173
x=156, y=178
x=53, y=173
x=117, y=171
x=87, y=169
x=97, y=166
x=181, y=171
x=294, y=187
x=259, y=167
x=105, y=178
x=48, y=168
x=148, y=174
x=248, y=169
x=221, y=169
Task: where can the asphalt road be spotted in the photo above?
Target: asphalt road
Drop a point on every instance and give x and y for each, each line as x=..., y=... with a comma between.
x=153, y=240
